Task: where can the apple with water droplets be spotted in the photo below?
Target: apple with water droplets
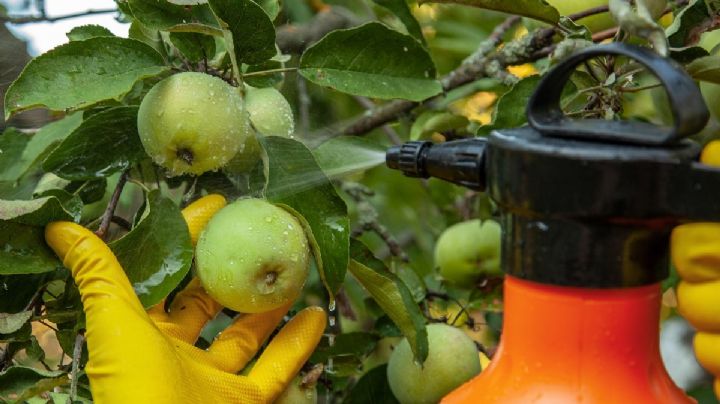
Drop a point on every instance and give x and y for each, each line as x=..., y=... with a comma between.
x=270, y=115
x=269, y=111
x=192, y=122
x=253, y=256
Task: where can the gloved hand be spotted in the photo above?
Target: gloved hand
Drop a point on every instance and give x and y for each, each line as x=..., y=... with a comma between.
x=149, y=357
x=696, y=254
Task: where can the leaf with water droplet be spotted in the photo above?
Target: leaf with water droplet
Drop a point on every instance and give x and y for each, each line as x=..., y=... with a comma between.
x=157, y=253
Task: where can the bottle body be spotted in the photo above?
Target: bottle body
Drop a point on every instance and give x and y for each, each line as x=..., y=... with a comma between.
x=572, y=345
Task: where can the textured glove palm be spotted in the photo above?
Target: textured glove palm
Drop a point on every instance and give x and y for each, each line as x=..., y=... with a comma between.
x=149, y=357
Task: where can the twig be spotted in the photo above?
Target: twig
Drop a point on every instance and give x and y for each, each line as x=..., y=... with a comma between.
x=606, y=34
x=587, y=13
x=390, y=132
x=41, y=18
x=271, y=71
x=368, y=218
x=77, y=353
x=110, y=210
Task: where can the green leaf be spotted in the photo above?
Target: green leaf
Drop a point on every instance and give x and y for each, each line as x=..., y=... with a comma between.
x=295, y=180
x=15, y=381
x=357, y=344
x=705, y=68
x=689, y=24
x=82, y=73
x=371, y=60
x=12, y=145
x=391, y=295
x=85, y=153
x=23, y=250
x=271, y=7
x=402, y=11
x=194, y=46
x=11, y=322
x=40, y=211
x=510, y=109
x=156, y=254
x=346, y=155
x=248, y=30
x=373, y=388
x=535, y=9
x=20, y=336
x=84, y=32
x=16, y=291
x=164, y=16
x=38, y=146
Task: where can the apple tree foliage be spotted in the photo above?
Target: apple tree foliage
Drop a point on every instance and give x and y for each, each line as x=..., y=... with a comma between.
x=389, y=70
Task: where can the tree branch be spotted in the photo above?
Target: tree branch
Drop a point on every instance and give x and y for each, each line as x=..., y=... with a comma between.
x=41, y=18
x=484, y=62
x=476, y=66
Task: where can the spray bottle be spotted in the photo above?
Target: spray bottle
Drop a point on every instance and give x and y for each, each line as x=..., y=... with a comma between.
x=587, y=207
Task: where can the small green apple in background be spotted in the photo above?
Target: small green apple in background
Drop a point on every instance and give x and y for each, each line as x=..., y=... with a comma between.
x=467, y=250
x=269, y=111
x=452, y=360
x=252, y=256
x=192, y=122
x=271, y=115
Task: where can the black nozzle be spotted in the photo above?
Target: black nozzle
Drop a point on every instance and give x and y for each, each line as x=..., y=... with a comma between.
x=461, y=162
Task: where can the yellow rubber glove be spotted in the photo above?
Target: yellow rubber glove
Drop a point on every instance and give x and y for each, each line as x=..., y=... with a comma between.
x=696, y=254
x=139, y=357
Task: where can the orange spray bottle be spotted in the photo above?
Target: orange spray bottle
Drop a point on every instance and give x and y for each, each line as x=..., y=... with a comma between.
x=587, y=208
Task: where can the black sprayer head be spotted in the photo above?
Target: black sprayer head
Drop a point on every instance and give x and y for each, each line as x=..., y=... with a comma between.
x=585, y=202
x=460, y=162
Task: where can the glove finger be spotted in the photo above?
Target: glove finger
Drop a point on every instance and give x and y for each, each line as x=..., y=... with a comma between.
x=109, y=301
x=699, y=303
x=191, y=309
x=696, y=251
x=238, y=343
x=707, y=350
x=198, y=213
x=288, y=351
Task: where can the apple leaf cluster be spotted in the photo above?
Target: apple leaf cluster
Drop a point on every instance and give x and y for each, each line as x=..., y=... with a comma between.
x=250, y=100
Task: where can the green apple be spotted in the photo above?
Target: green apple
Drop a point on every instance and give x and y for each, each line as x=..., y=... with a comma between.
x=192, y=122
x=270, y=113
x=252, y=256
x=467, y=250
x=452, y=360
x=296, y=394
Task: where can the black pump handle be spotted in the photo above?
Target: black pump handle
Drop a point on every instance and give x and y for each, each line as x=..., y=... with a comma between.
x=688, y=108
